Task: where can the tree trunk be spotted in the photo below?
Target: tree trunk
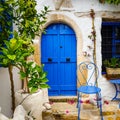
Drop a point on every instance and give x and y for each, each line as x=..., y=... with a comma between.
x=10, y=68
x=25, y=83
x=25, y=86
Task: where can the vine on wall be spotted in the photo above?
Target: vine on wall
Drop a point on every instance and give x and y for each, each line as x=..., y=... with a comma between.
x=92, y=37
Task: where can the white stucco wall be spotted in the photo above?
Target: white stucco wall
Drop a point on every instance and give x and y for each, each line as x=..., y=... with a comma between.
x=80, y=5
x=84, y=23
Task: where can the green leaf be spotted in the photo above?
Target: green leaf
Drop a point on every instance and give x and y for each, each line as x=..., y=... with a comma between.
x=1, y=9
x=15, y=34
x=45, y=8
x=13, y=43
x=44, y=80
x=5, y=61
x=43, y=75
x=27, y=23
x=11, y=57
x=4, y=51
x=44, y=86
x=33, y=90
x=22, y=75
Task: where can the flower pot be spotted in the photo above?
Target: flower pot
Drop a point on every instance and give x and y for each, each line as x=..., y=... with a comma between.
x=33, y=103
x=113, y=73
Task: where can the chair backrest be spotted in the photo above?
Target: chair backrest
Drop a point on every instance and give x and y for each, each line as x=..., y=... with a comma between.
x=89, y=72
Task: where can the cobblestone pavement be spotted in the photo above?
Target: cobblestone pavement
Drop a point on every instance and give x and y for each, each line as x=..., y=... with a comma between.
x=65, y=109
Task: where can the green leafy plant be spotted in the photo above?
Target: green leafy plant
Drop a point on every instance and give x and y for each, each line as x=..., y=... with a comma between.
x=14, y=52
x=5, y=21
x=112, y=63
x=35, y=74
x=29, y=23
x=12, y=55
x=115, y=2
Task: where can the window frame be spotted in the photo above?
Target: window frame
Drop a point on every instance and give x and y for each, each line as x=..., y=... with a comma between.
x=114, y=40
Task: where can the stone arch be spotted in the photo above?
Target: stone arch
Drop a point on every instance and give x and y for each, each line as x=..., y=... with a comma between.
x=56, y=18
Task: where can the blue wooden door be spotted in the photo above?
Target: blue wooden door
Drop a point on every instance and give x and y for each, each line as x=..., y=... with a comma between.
x=58, y=53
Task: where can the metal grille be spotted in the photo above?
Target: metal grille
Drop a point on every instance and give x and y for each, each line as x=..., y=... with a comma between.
x=110, y=41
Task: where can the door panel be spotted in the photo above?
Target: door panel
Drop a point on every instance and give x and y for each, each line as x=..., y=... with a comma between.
x=58, y=53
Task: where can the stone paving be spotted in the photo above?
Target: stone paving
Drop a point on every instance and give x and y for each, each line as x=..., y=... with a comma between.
x=65, y=109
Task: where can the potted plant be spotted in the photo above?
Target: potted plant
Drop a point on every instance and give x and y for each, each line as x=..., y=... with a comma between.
x=112, y=68
x=16, y=51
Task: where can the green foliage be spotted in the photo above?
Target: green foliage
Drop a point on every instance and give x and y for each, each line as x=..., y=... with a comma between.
x=29, y=23
x=5, y=21
x=112, y=63
x=14, y=52
x=115, y=2
x=35, y=74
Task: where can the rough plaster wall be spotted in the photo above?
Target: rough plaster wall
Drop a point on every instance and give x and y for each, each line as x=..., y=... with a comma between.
x=84, y=26
x=80, y=5
x=86, y=5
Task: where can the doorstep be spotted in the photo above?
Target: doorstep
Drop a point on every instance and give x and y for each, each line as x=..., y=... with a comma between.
x=62, y=98
x=64, y=109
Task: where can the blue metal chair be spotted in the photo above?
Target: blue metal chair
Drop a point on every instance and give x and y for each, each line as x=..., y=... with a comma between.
x=89, y=73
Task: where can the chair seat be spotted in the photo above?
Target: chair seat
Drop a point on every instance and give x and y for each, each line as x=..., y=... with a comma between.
x=89, y=89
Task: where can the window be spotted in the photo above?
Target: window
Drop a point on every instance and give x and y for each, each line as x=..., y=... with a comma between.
x=110, y=41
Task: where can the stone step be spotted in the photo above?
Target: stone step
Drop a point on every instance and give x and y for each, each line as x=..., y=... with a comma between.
x=68, y=111
x=62, y=98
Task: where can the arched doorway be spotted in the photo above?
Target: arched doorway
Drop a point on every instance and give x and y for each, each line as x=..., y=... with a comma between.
x=58, y=53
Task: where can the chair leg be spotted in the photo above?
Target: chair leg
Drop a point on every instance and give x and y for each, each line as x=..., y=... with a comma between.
x=98, y=100
x=100, y=105
x=79, y=105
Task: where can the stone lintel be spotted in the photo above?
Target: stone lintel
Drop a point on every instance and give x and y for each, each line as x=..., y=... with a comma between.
x=106, y=15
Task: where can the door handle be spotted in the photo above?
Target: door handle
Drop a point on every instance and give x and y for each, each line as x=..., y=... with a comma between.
x=50, y=59
x=67, y=59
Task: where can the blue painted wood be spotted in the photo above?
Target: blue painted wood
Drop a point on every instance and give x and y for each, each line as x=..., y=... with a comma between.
x=58, y=53
x=117, y=88
x=111, y=23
